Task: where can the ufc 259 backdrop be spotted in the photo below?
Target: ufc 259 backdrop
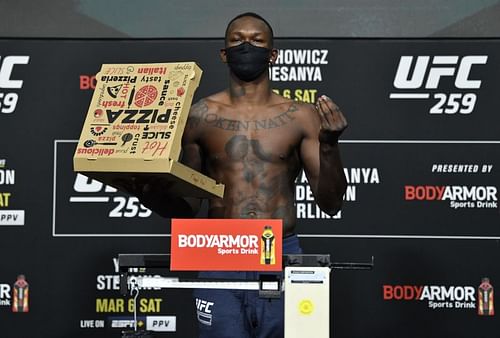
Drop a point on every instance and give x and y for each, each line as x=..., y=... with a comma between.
x=421, y=155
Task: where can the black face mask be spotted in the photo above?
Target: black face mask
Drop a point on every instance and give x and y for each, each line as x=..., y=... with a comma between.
x=247, y=61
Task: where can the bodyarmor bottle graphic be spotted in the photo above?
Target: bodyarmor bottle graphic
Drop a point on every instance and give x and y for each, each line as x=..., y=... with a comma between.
x=20, y=295
x=267, y=255
x=485, y=298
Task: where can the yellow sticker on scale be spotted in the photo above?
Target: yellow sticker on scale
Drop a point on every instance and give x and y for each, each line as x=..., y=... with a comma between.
x=306, y=307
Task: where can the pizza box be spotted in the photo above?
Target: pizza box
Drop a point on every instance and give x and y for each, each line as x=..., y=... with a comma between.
x=134, y=127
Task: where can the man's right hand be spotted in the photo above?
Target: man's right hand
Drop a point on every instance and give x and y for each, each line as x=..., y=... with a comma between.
x=144, y=187
x=154, y=192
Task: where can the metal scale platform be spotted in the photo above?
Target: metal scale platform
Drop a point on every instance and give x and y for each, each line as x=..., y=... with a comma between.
x=305, y=285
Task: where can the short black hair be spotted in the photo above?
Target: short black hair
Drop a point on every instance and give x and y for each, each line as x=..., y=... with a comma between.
x=253, y=15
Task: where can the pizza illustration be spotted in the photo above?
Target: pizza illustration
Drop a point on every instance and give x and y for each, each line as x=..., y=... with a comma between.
x=145, y=96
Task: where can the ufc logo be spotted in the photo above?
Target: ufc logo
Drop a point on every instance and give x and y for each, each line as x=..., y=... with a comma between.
x=6, y=68
x=204, y=306
x=441, y=66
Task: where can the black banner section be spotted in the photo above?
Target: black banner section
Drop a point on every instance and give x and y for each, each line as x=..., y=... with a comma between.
x=421, y=155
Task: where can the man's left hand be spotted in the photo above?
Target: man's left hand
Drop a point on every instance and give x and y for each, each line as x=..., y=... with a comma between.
x=332, y=120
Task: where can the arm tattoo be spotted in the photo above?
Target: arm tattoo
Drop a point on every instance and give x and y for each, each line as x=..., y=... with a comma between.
x=197, y=114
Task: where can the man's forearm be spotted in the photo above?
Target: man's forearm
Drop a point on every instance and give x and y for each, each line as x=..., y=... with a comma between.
x=331, y=184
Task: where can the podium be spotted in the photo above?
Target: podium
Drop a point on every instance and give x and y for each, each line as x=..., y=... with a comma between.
x=306, y=287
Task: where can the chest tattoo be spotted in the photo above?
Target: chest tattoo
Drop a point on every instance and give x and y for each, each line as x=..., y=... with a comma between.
x=276, y=121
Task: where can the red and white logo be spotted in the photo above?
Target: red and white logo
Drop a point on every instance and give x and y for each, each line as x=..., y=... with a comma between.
x=458, y=196
x=226, y=244
x=436, y=296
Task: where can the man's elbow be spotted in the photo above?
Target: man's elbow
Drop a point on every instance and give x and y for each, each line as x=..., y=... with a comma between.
x=332, y=209
x=332, y=203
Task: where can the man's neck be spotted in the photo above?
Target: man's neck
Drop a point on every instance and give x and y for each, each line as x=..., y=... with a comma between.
x=256, y=93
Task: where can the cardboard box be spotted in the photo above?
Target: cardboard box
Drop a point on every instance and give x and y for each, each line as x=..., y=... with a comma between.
x=134, y=127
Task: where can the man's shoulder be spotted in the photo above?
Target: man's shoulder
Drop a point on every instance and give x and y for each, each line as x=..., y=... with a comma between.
x=213, y=101
x=300, y=109
x=203, y=107
x=304, y=114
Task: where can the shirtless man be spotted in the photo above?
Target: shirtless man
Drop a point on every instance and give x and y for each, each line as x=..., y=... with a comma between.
x=255, y=142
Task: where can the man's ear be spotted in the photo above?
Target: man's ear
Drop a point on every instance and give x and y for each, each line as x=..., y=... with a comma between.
x=274, y=56
x=223, y=55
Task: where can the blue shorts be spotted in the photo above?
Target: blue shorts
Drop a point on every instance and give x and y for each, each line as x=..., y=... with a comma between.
x=240, y=313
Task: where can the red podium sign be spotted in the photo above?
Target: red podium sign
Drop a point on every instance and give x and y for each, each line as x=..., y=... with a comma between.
x=226, y=244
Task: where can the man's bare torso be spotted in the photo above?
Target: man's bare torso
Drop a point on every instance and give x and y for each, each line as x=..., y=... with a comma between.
x=254, y=151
